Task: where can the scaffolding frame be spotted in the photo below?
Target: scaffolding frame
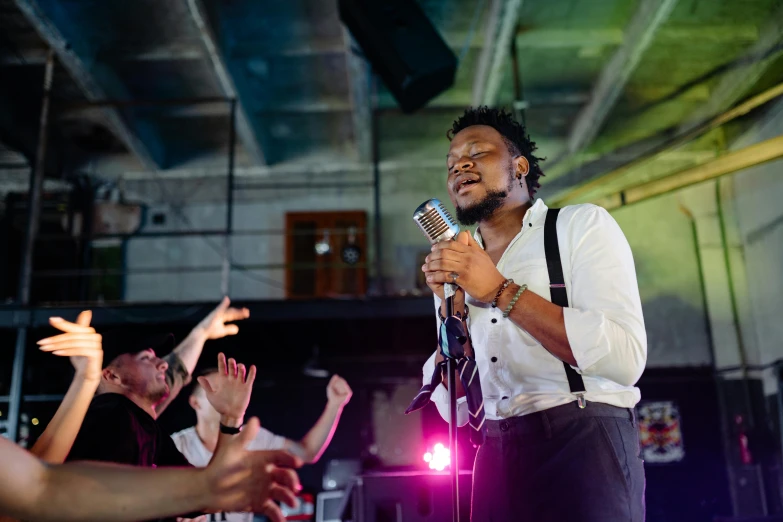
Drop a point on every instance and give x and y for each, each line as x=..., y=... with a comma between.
x=22, y=316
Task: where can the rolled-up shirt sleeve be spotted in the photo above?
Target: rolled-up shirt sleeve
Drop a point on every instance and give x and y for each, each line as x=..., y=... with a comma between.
x=604, y=322
x=440, y=396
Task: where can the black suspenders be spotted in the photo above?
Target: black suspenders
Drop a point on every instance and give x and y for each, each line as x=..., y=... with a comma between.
x=557, y=291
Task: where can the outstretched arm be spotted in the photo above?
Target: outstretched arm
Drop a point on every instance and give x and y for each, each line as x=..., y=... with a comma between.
x=211, y=327
x=183, y=359
x=83, y=346
x=313, y=445
x=235, y=480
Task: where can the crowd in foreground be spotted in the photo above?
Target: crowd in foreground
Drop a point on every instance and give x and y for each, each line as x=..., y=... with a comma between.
x=103, y=455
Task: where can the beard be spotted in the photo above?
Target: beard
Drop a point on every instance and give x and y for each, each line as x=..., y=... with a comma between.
x=157, y=392
x=152, y=391
x=485, y=208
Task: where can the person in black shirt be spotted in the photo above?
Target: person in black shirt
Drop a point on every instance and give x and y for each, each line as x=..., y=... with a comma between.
x=137, y=385
x=120, y=425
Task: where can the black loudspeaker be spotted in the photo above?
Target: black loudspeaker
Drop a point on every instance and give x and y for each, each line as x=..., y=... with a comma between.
x=406, y=496
x=403, y=47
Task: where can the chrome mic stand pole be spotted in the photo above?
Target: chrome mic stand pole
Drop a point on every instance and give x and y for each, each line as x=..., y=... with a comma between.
x=451, y=368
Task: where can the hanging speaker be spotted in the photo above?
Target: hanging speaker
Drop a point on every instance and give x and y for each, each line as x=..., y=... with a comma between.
x=403, y=48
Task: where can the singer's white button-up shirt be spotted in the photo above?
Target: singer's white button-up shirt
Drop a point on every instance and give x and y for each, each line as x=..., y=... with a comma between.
x=604, y=320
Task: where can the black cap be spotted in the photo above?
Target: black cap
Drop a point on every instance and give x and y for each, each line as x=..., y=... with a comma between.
x=118, y=342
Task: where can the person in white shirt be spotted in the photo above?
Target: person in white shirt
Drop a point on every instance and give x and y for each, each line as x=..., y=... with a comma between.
x=557, y=448
x=198, y=442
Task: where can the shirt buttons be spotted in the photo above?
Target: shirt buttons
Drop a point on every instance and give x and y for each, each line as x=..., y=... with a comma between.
x=494, y=359
x=494, y=320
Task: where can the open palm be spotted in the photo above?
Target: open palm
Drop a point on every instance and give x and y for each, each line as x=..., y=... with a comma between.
x=79, y=342
x=228, y=390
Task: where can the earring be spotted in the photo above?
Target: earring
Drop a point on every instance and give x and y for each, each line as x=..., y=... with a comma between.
x=521, y=183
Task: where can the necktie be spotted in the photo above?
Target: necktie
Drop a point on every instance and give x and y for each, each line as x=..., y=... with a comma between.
x=451, y=338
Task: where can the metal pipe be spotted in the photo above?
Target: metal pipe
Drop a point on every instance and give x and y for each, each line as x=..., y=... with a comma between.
x=519, y=102
x=376, y=178
x=86, y=236
x=186, y=269
x=225, y=280
x=210, y=232
x=26, y=265
x=746, y=107
x=743, y=355
x=36, y=398
x=723, y=165
x=283, y=186
x=702, y=284
x=140, y=102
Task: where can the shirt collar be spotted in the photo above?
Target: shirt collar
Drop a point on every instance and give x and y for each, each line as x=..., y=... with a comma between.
x=534, y=218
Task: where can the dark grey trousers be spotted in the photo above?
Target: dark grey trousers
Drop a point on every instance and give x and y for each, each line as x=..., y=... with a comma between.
x=564, y=464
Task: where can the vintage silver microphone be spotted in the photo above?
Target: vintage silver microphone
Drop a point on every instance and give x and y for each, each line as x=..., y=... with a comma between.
x=435, y=221
x=437, y=224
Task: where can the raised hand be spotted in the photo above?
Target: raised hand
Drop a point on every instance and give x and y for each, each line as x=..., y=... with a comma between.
x=214, y=325
x=80, y=343
x=338, y=393
x=242, y=480
x=229, y=389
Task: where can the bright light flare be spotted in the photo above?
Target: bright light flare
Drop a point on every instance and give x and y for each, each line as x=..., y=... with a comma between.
x=438, y=458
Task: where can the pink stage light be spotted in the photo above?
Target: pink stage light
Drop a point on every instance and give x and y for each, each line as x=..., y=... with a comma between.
x=438, y=458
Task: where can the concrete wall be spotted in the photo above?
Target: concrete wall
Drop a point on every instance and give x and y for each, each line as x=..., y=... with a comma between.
x=401, y=192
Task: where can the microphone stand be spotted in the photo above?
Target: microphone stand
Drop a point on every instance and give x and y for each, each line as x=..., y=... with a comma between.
x=451, y=368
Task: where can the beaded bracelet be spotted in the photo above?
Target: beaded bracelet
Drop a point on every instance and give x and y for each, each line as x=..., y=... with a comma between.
x=514, y=301
x=500, y=291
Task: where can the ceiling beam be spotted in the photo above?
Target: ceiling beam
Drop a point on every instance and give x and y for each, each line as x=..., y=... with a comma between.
x=83, y=76
x=659, y=145
x=19, y=181
x=539, y=38
x=174, y=51
x=639, y=34
x=499, y=32
x=527, y=38
x=279, y=170
x=245, y=130
x=728, y=163
x=734, y=84
x=491, y=28
x=359, y=79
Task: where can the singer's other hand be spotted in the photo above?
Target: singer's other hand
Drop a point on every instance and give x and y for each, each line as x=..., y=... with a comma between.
x=476, y=272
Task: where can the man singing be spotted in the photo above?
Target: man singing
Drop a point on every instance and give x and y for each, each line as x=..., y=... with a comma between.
x=561, y=439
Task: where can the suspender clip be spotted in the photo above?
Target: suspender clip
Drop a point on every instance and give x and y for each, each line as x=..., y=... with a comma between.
x=580, y=400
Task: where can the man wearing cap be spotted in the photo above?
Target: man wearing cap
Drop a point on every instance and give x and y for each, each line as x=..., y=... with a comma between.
x=136, y=385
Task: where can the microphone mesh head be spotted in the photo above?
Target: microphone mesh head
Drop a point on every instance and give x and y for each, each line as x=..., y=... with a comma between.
x=435, y=221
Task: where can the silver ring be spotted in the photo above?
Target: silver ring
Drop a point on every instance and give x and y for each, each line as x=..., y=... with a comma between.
x=454, y=276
